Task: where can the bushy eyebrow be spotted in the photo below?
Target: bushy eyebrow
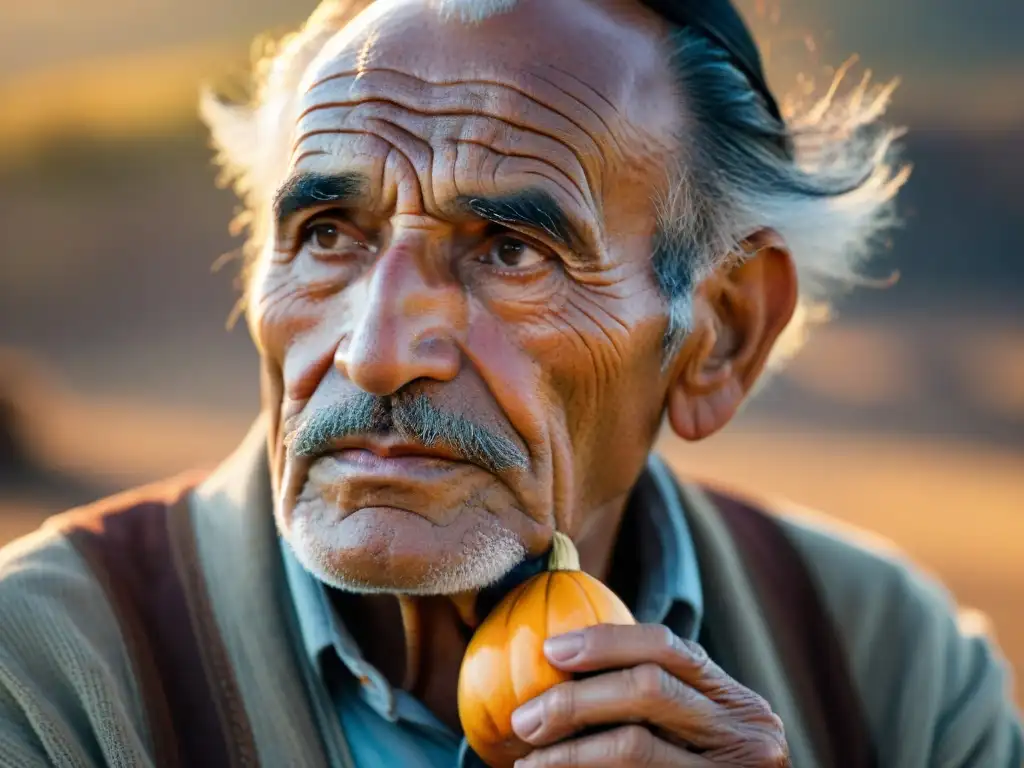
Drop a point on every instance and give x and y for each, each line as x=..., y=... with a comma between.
x=531, y=208
x=308, y=190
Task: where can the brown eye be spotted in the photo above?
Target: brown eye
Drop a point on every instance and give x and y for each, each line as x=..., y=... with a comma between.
x=329, y=236
x=325, y=235
x=513, y=254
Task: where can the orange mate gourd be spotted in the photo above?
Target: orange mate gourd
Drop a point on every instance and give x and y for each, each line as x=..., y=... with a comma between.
x=505, y=666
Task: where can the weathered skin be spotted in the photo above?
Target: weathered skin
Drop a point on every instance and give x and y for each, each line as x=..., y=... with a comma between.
x=556, y=347
x=538, y=351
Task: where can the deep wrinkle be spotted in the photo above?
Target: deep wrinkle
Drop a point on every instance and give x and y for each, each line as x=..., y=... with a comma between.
x=488, y=84
x=513, y=115
x=352, y=106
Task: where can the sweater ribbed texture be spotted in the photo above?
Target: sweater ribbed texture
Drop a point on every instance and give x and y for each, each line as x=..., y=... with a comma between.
x=935, y=695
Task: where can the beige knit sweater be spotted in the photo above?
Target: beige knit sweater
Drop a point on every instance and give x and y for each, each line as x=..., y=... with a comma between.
x=72, y=692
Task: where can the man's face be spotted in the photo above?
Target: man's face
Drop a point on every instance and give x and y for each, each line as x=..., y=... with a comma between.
x=460, y=327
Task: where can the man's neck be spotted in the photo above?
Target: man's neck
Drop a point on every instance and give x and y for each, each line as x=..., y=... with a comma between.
x=596, y=543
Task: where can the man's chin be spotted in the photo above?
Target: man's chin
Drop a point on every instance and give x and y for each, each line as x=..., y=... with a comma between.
x=388, y=550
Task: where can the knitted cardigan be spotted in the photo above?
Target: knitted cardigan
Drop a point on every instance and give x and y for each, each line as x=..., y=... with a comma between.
x=155, y=629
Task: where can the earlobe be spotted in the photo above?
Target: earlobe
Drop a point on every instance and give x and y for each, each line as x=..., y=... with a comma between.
x=694, y=417
x=739, y=312
x=704, y=392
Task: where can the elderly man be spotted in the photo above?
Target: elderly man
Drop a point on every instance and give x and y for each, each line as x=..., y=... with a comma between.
x=493, y=245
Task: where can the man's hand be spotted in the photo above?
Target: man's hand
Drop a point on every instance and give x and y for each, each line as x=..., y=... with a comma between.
x=659, y=700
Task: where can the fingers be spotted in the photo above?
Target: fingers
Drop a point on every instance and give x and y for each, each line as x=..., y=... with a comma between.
x=656, y=678
x=630, y=745
x=610, y=646
x=644, y=694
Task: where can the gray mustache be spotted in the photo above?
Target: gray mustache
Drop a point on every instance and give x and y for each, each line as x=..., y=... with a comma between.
x=413, y=418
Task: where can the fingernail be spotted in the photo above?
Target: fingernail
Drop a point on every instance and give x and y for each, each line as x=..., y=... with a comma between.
x=563, y=647
x=528, y=719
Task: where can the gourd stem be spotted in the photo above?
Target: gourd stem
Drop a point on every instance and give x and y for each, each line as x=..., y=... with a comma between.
x=564, y=556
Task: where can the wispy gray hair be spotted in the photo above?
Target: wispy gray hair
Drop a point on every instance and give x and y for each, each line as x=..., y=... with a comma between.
x=830, y=201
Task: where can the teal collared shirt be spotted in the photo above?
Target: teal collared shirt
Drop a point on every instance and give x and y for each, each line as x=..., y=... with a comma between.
x=387, y=726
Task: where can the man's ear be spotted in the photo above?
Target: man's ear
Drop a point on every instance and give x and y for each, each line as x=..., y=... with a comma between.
x=738, y=313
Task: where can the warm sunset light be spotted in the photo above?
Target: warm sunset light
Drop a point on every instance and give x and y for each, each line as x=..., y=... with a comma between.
x=144, y=94
x=562, y=413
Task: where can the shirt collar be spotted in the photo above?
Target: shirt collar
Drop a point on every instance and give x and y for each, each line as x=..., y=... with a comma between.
x=311, y=604
x=670, y=587
x=322, y=629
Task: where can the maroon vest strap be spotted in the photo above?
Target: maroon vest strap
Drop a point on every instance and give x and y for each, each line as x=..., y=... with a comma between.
x=816, y=665
x=141, y=548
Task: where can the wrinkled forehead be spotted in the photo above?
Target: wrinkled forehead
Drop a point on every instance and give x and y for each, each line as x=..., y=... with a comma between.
x=591, y=74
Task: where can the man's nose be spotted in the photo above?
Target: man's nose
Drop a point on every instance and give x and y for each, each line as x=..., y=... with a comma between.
x=406, y=327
